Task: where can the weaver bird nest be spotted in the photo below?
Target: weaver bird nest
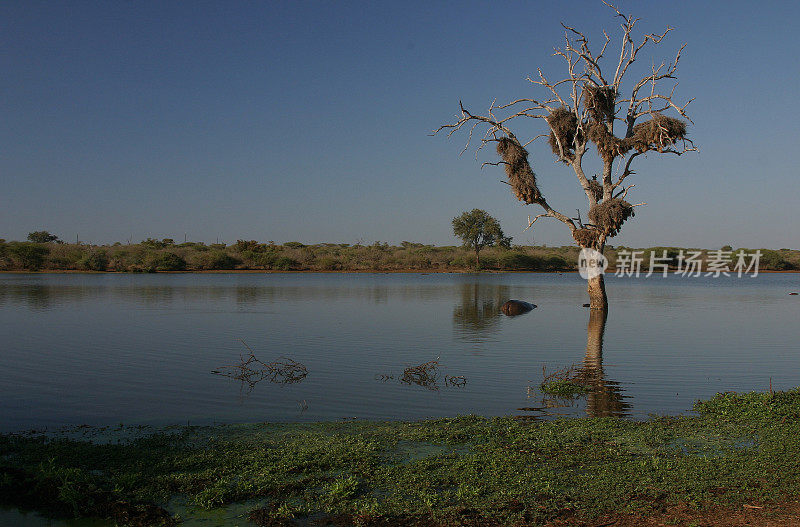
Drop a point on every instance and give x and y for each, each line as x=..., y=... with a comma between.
x=586, y=237
x=600, y=101
x=609, y=216
x=657, y=133
x=563, y=129
x=596, y=189
x=518, y=169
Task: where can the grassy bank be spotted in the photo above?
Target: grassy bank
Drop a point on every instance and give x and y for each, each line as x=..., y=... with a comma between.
x=165, y=255
x=742, y=450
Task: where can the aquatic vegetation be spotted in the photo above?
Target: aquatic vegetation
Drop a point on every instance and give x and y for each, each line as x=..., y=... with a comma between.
x=563, y=388
x=741, y=449
x=567, y=382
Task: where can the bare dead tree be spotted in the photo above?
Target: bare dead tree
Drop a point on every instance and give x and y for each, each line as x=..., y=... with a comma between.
x=585, y=107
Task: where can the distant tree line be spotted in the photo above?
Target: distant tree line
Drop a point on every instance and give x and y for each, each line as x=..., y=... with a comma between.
x=152, y=255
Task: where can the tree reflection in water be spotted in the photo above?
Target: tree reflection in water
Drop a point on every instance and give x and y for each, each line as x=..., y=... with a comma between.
x=604, y=397
x=476, y=317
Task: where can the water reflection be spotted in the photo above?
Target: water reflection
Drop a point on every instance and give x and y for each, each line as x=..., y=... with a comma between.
x=40, y=297
x=140, y=348
x=42, y=293
x=477, y=315
x=605, y=397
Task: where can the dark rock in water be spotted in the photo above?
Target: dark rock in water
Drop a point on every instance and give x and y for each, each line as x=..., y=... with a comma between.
x=587, y=305
x=516, y=307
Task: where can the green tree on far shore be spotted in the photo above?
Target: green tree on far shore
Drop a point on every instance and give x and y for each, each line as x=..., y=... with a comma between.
x=42, y=237
x=29, y=256
x=477, y=229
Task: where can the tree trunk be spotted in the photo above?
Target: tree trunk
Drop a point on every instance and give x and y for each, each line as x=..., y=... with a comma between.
x=477, y=260
x=597, y=293
x=597, y=286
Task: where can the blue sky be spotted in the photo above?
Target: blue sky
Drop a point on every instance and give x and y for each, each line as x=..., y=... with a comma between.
x=309, y=120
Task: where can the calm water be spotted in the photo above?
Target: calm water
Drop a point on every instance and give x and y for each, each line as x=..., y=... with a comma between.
x=107, y=348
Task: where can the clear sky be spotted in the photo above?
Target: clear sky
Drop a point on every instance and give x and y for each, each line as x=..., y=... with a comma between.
x=309, y=121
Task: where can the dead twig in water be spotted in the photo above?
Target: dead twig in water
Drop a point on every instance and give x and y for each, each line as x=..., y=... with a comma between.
x=250, y=371
x=425, y=375
x=570, y=373
x=455, y=380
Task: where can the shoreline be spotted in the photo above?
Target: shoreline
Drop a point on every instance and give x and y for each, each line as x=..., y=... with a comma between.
x=737, y=459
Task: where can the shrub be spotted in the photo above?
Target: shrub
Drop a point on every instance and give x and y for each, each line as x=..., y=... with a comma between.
x=152, y=243
x=219, y=260
x=246, y=245
x=774, y=261
x=516, y=260
x=168, y=262
x=284, y=263
x=198, y=246
x=329, y=264
x=30, y=255
x=489, y=261
x=95, y=261
x=460, y=261
x=556, y=263
x=263, y=260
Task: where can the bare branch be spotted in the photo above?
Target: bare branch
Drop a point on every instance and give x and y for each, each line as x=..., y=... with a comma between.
x=531, y=222
x=650, y=95
x=624, y=192
x=591, y=63
x=627, y=171
x=552, y=87
x=535, y=138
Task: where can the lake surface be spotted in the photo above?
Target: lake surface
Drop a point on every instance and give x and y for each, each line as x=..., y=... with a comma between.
x=139, y=349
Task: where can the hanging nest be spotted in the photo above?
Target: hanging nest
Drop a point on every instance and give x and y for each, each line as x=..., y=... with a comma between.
x=608, y=145
x=596, y=189
x=609, y=216
x=586, y=237
x=657, y=133
x=600, y=101
x=518, y=169
x=563, y=128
